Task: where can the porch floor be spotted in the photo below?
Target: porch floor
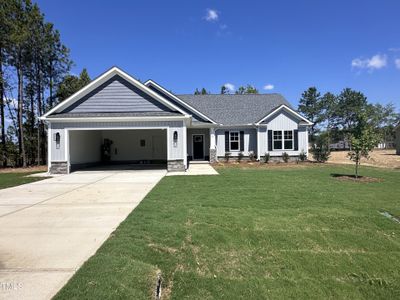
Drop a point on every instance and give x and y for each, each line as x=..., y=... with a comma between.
x=196, y=169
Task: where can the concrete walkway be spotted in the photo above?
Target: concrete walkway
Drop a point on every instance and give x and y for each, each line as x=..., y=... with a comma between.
x=48, y=229
x=196, y=169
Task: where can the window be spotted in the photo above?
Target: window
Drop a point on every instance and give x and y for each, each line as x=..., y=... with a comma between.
x=283, y=139
x=278, y=140
x=142, y=143
x=288, y=136
x=234, y=140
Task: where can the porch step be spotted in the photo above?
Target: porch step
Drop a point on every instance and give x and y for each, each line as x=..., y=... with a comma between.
x=199, y=162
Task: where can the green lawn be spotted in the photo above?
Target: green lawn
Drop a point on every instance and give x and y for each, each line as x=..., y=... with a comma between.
x=13, y=179
x=253, y=234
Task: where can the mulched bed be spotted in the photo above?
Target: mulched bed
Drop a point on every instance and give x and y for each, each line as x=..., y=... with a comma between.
x=352, y=178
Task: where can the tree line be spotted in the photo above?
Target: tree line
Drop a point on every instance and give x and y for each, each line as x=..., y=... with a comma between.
x=34, y=76
x=348, y=117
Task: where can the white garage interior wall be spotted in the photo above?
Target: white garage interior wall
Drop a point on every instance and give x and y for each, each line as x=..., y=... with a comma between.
x=126, y=144
x=85, y=145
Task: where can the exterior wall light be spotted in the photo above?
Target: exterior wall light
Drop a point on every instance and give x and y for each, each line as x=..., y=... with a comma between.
x=175, y=138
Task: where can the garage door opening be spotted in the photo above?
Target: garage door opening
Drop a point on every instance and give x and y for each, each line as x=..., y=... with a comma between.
x=117, y=149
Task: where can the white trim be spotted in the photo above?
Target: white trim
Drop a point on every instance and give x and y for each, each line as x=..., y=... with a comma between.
x=238, y=150
x=283, y=140
x=117, y=119
x=67, y=157
x=161, y=89
x=204, y=146
x=283, y=106
x=185, y=152
x=258, y=143
x=103, y=78
x=49, y=146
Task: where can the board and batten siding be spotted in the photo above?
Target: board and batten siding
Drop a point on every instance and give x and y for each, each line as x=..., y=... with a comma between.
x=175, y=151
x=116, y=95
x=283, y=121
x=250, y=141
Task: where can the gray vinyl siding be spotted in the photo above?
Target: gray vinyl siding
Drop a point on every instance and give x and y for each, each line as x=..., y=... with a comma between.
x=250, y=141
x=116, y=95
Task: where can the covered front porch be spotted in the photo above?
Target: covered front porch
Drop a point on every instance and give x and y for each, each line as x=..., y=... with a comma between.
x=201, y=145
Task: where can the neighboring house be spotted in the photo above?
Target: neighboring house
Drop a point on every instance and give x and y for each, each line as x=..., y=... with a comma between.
x=134, y=122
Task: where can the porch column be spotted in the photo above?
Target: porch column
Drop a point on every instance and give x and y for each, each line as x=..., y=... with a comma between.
x=213, y=146
x=185, y=154
x=258, y=144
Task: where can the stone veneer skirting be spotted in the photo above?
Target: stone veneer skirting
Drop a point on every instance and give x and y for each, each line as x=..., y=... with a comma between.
x=175, y=165
x=213, y=156
x=59, y=167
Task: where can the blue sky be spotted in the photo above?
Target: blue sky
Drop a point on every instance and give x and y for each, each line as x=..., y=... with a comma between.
x=283, y=46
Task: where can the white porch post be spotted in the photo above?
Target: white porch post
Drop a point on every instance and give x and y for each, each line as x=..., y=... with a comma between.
x=185, y=144
x=49, y=145
x=213, y=146
x=258, y=143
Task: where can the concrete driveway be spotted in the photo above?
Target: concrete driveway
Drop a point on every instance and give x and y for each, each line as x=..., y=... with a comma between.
x=48, y=229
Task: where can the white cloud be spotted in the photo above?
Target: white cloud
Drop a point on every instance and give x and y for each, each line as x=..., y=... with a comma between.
x=212, y=15
x=230, y=87
x=397, y=63
x=268, y=87
x=376, y=62
x=223, y=26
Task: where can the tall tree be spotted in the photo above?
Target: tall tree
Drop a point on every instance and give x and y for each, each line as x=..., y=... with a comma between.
x=350, y=104
x=19, y=53
x=311, y=106
x=6, y=17
x=71, y=84
x=248, y=89
x=224, y=90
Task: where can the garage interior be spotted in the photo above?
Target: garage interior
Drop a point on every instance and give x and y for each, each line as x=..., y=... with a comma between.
x=117, y=148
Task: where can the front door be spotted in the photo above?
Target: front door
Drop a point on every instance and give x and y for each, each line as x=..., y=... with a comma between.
x=198, y=146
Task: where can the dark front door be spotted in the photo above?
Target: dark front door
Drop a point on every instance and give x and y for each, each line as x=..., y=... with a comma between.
x=198, y=146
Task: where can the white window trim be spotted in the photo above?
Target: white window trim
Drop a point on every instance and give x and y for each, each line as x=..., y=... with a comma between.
x=230, y=149
x=282, y=140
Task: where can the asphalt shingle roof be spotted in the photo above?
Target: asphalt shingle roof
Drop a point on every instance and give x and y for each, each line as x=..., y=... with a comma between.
x=235, y=109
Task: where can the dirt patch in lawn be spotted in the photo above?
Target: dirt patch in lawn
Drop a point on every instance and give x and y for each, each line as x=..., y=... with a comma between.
x=24, y=170
x=343, y=177
x=378, y=158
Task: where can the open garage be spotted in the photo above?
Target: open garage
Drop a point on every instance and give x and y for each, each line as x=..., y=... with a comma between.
x=89, y=148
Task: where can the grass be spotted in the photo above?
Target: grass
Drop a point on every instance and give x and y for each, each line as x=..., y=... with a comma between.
x=13, y=179
x=252, y=234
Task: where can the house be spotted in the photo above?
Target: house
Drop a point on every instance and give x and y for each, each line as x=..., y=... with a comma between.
x=118, y=119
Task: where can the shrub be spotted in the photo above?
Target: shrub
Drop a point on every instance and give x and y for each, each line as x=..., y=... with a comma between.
x=302, y=156
x=285, y=157
x=266, y=158
x=240, y=156
x=252, y=156
x=320, y=150
x=227, y=156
